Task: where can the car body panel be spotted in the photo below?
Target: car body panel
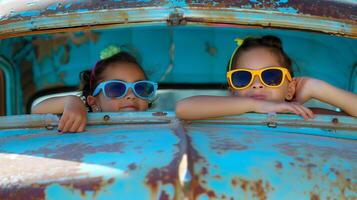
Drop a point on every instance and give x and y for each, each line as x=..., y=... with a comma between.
x=337, y=16
x=252, y=162
x=139, y=158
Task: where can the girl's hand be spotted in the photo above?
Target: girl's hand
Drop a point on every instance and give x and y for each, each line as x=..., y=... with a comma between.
x=305, y=88
x=74, y=117
x=284, y=107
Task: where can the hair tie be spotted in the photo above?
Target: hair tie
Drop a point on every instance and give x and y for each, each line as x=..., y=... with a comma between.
x=109, y=52
x=239, y=42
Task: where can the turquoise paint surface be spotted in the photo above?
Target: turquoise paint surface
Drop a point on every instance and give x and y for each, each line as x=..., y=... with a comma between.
x=53, y=7
x=206, y=58
x=252, y=154
x=103, y=151
x=32, y=13
x=183, y=54
x=288, y=10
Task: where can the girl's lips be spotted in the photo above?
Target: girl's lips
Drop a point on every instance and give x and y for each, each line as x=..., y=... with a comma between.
x=129, y=108
x=258, y=96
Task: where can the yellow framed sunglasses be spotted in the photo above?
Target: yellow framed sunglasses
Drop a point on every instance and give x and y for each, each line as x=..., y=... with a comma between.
x=272, y=77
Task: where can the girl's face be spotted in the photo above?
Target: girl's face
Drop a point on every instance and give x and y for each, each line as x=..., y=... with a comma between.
x=127, y=72
x=255, y=59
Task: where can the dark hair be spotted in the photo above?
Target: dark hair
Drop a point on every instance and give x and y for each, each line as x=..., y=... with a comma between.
x=268, y=41
x=89, y=78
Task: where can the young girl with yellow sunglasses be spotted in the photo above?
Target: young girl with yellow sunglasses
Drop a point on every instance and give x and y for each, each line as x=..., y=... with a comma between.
x=260, y=80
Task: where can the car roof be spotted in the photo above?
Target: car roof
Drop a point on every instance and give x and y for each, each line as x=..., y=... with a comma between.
x=333, y=16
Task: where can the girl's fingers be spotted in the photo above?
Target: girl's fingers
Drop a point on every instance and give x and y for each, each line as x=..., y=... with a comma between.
x=82, y=126
x=301, y=111
x=62, y=123
x=308, y=111
x=291, y=109
x=295, y=108
x=72, y=123
x=75, y=126
x=68, y=125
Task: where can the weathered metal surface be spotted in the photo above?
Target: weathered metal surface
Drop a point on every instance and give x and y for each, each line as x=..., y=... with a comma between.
x=329, y=16
x=331, y=8
x=344, y=10
x=143, y=156
x=105, y=162
x=257, y=162
x=50, y=121
x=335, y=126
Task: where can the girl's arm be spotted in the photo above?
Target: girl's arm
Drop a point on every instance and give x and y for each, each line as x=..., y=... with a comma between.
x=201, y=107
x=53, y=105
x=74, y=116
x=307, y=88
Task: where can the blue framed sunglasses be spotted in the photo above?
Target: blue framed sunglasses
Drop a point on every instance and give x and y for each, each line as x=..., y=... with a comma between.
x=118, y=89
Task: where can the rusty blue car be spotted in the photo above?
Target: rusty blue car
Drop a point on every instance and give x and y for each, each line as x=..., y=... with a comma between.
x=184, y=45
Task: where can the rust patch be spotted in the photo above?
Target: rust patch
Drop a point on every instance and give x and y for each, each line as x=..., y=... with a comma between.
x=164, y=196
x=244, y=185
x=37, y=191
x=221, y=145
x=344, y=183
x=132, y=166
x=196, y=189
x=76, y=152
x=257, y=188
x=234, y=182
x=278, y=165
x=314, y=196
x=309, y=168
x=168, y=174
x=45, y=47
x=328, y=9
x=333, y=8
x=210, y=49
x=89, y=185
x=300, y=159
x=299, y=149
x=203, y=171
x=159, y=114
x=164, y=175
x=217, y=177
x=32, y=192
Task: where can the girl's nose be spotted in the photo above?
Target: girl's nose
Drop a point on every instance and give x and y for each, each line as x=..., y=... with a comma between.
x=130, y=94
x=257, y=83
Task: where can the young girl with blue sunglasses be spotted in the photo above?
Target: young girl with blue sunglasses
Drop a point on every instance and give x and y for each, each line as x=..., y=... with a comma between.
x=260, y=80
x=116, y=83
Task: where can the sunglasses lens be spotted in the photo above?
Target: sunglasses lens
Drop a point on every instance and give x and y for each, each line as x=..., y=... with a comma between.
x=144, y=89
x=272, y=77
x=115, y=89
x=241, y=78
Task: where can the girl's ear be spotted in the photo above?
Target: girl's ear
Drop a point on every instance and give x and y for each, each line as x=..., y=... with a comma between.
x=291, y=90
x=92, y=102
